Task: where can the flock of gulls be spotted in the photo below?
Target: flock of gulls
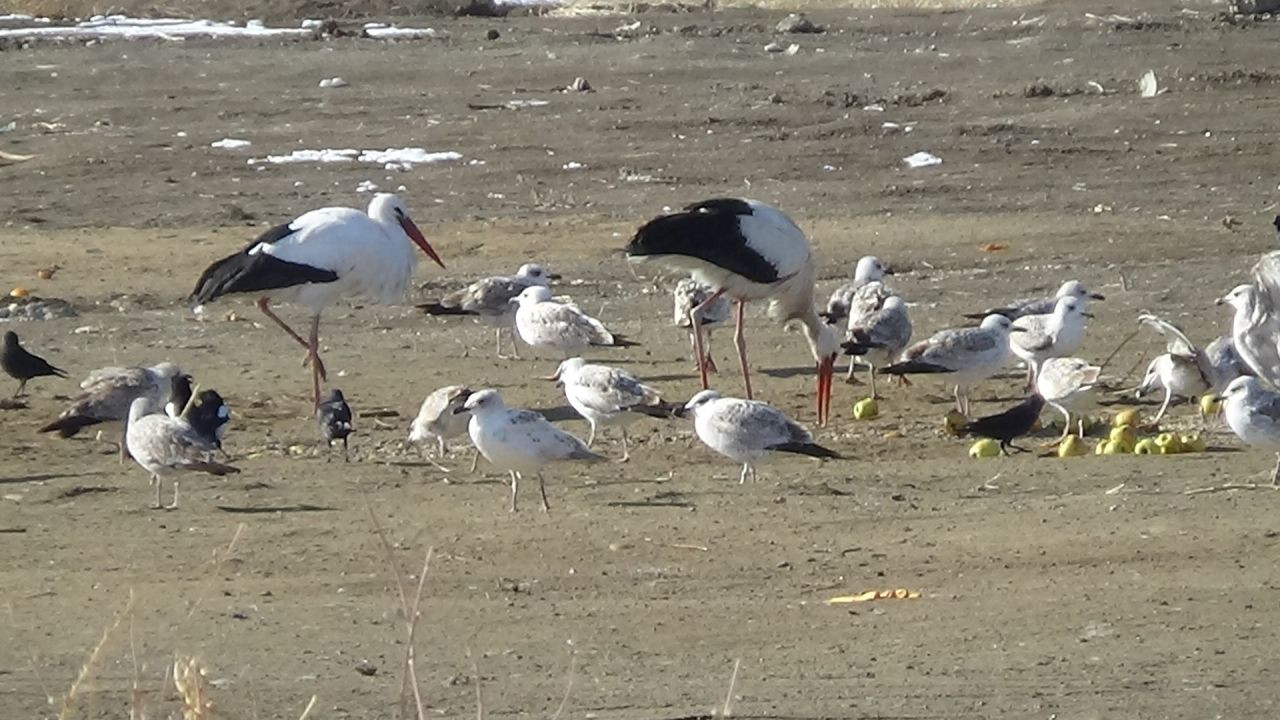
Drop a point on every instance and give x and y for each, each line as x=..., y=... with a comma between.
x=730, y=252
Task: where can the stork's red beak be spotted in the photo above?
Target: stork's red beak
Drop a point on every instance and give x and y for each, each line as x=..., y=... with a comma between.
x=416, y=235
x=826, y=372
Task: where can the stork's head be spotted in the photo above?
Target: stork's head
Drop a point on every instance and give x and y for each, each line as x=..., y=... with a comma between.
x=389, y=209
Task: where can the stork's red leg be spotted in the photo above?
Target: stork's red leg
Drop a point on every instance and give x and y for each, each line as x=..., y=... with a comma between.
x=264, y=306
x=740, y=341
x=696, y=329
x=313, y=353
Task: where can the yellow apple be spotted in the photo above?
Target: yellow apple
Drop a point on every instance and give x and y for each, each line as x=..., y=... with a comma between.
x=984, y=448
x=865, y=409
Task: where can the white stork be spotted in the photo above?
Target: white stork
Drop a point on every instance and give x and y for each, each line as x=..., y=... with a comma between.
x=747, y=250
x=322, y=256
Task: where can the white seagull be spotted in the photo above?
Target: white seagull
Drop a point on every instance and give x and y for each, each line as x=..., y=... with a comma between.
x=321, y=256
x=1042, y=305
x=747, y=250
x=1063, y=380
x=690, y=294
x=1255, y=329
x=605, y=395
x=966, y=355
x=880, y=336
x=868, y=269
x=1185, y=370
x=747, y=430
x=489, y=300
x=1057, y=334
x=165, y=445
x=442, y=417
x=544, y=323
x=1253, y=413
x=107, y=394
x=520, y=441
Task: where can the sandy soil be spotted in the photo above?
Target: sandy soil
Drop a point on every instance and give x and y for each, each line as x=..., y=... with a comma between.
x=1083, y=588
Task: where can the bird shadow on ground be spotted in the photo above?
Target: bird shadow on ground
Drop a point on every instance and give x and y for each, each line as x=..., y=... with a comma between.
x=299, y=508
x=42, y=477
x=670, y=377
x=558, y=413
x=787, y=372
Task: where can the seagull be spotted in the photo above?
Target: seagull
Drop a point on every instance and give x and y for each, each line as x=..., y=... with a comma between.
x=1057, y=334
x=865, y=302
x=318, y=258
x=441, y=416
x=1042, y=305
x=1062, y=380
x=544, y=323
x=1009, y=425
x=747, y=250
x=689, y=294
x=489, y=300
x=165, y=445
x=108, y=393
x=21, y=365
x=868, y=269
x=1255, y=329
x=880, y=336
x=747, y=430
x=1253, y=413
x=1184, y=370
x=334, y=418
x=607, y=395
x=520, y=441
x=968, y=355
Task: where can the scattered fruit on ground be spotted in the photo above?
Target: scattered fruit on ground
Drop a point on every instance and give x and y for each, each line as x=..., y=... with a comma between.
x=1072, y=446
x=1210, y=404
x=984, y=448
x=1124, y=436
x=1168, y=443
x=865, y=409
x=1192, y=443
x=1146, y=446
x=1128, y=417
x=953, y=421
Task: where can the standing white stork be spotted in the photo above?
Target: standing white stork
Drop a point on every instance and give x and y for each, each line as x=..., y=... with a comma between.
x=747, y=250
x=322, y=256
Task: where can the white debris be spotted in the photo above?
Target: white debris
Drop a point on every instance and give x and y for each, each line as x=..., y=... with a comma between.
x=311, y=23
x=793, y=48
x=517, y=104
x=230, y=144
x=382, y=31
x=123, y=26
x=366, y=186
x=402, y=158
x=774, y=47
x=922, y=159
x=572, y=165
x=1148, y=86
x=333, y=82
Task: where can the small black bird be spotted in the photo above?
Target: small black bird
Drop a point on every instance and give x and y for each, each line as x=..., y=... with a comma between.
x=179, y=395
x=1276, y=222
x=1009, y=425
x=334, y=416
x=209, y=416
x=22, y=365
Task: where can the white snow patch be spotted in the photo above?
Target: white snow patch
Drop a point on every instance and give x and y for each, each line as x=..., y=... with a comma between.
x=230, y=144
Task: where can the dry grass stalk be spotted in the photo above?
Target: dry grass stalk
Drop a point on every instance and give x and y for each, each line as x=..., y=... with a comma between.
x=728, y=698
x=193, y=688
x=68, y=702
x=307, y=711
x=217, y=568
x=475, y=673
x=568, y=687
x=137, y=708
x=31, y=656
x=411, y=614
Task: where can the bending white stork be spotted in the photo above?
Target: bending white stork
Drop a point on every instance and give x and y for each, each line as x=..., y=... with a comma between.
x=747, y=250
x=322, y=256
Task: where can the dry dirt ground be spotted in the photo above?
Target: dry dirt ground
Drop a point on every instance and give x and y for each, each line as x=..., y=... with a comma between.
x=1082, y=588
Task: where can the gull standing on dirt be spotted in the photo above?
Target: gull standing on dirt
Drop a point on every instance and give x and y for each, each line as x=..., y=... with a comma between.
x=22, y=365
x=442, y=417
x=1042, y=305
x=164, y=445
x=1255, y=329
x=966, y=355
x=865, y=302
x=605, y=395
x=1064, y=380
x=544, y=323
x=1184, y=370
x=108, y=393
x=748, y=430
x=1057, y=334
x=868, y=269
x=690, y=294
x=747, y=250
x=318, y=258
x=879, y=337
x=1253, y=414
x=489, y=301
x=520, y=441
x=335, y=419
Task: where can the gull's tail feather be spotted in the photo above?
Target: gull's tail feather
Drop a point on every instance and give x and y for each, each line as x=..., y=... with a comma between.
x=803, y=448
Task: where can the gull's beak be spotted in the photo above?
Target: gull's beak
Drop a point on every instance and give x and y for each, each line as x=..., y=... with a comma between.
x=1097, y=296
x=826, y=371
x=889, y=271
x=1220, y=301
x=1017, y=329
x=416, y=235
x=680, y=412
x=1089, y=315
x=459, y=410
x=554, y=276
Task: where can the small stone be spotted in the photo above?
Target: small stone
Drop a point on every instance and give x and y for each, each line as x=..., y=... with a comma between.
x=366, y=668
x=774, y=47
x=492, y=34
x=580, y=85
x=797, y=23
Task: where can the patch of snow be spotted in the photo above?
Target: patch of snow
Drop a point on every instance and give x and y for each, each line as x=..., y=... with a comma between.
x=230, y=144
